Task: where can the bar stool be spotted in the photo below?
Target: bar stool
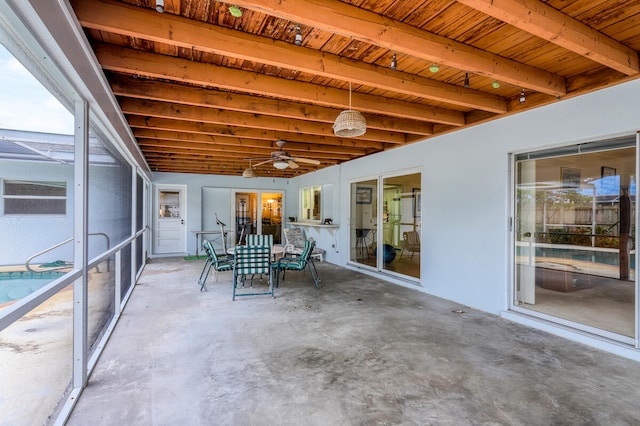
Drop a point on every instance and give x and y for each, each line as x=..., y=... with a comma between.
x=361, y=240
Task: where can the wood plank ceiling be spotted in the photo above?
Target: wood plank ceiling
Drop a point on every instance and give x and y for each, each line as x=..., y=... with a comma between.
x=204, y=91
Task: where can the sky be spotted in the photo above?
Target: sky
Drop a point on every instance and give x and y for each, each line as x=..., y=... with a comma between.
x=25, y=104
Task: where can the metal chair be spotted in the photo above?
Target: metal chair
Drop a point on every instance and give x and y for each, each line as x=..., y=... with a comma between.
x=410, y=242
x=251, y=260
x=213, y=261
x=297, y=263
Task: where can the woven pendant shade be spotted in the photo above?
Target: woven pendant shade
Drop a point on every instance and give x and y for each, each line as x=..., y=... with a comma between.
x=350, y=123
x=249, y=173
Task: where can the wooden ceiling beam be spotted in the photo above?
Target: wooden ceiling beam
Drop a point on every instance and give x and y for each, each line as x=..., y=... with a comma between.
x=197, y=166
x=181, y=32
x=214, y=116
x=151, y=65
x=160, y=157
x=350, y=21
x=242, y=135
x=299, y=149
x=545, y=22
x=196, y=96
x=232, y=152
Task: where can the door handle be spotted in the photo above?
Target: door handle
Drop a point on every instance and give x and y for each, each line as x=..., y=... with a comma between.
x=181, y=221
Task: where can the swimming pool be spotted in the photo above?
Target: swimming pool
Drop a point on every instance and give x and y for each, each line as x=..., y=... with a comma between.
x=587, y=254
x=19, y=284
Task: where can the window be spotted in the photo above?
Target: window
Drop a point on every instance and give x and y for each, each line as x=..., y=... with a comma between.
x=34, y=197
x=310, y=204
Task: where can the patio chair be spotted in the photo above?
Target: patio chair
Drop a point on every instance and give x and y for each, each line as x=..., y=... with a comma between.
x=294, y=244
x=219, y=264
x=251, y=260
x=410, y=242
x=297, y=263
x=260, y=240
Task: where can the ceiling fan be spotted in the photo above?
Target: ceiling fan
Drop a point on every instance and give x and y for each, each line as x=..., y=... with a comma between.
x=281, y=159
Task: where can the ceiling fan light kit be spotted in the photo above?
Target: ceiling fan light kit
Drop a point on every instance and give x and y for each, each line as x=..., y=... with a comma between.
x=280, y=160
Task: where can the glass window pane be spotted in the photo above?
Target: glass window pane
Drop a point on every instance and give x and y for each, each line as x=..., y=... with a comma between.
x=364, y=213
x=37, y=189
x=34, y=206
x=272, y=215
x=401, y=223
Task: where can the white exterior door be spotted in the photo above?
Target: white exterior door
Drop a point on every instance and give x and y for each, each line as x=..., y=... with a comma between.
x=169, y=223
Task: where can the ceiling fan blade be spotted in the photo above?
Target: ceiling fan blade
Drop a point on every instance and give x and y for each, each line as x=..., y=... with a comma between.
x=292, y=164
x=305, y=160
x=264, y=162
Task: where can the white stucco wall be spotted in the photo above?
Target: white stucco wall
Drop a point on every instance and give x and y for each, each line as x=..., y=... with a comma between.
x=465, y=257
x=194, y=184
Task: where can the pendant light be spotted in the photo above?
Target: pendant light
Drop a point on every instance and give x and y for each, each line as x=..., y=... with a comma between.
x=250, y=172
x=350, y=123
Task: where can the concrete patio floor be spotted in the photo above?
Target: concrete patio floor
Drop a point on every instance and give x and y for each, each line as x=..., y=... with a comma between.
x=357, y=351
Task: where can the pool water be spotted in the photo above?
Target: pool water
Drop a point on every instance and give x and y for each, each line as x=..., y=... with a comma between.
x=17, y=285
x=606, y=258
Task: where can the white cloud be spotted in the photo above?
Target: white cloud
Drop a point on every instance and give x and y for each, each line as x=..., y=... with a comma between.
x=25, y=104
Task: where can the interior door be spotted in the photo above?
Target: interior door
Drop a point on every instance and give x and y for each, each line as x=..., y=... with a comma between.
x=169, y=224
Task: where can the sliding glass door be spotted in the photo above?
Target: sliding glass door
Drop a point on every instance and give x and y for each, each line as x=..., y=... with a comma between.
x=401, y=223
x=575, y=229
x=385, y=224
